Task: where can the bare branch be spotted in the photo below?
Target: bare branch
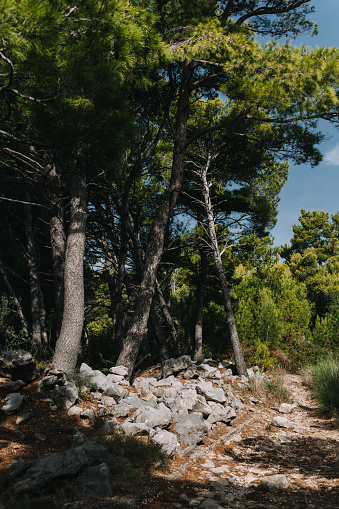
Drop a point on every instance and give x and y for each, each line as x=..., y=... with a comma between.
x=9, y=62
x=262, y=11
x=24, y=202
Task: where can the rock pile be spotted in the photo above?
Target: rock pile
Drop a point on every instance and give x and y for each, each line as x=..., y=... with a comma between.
x=177, y=412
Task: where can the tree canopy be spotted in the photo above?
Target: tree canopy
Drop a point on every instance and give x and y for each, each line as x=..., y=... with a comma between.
x=118, y=120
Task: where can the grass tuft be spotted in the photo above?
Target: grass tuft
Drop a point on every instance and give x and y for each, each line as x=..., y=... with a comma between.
x=276, y=387
x=323, y=379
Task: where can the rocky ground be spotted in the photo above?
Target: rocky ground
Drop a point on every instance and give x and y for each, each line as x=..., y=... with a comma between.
x=226, y=470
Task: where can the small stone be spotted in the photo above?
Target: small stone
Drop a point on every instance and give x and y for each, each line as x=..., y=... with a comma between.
x=40, y=436
x=14, y=386
x=75, y=410
x=65, y=396
x=285, y=408
x=281, y=422
x=23, y=418
x=193, y=503
x=78, y=439
x=208, y=503
x=119, y=370
x=87, y=414
x=275, y=482
x=14, y=400
x=20, y=436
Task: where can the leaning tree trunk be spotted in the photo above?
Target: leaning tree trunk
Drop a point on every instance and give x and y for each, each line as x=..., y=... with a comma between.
x=238, y=356
x=138, y=257
x=68, y=343
x=154, y=250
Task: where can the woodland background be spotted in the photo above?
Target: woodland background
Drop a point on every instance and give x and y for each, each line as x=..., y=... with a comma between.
x=143, y=148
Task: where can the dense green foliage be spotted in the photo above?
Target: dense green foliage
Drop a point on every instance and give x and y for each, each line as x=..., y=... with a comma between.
x=97, y=90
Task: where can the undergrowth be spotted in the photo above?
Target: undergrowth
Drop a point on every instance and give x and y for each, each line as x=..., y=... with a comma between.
x=276, y=387
x=273, y=384
x=133, y=459
x=323, y=379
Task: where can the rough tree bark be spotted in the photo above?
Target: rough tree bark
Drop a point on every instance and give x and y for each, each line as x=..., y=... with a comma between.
x=67, y=345
x=238, y=356
x=138, y=324
x=139, y=256
x=58, y=242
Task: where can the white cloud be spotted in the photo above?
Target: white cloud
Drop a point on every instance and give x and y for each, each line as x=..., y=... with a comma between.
x=332, y=157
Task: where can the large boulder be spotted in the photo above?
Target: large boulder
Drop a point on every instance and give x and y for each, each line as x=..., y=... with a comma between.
x=153, y=417
x=168, y=441
x=174, y=366
x=65, y=396
x=211, y=393
x=18, y=365
x=95, y=482
x=45, y=471
x=191, y=428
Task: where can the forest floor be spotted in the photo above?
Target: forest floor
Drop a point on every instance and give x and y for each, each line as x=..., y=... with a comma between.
x=225, y=471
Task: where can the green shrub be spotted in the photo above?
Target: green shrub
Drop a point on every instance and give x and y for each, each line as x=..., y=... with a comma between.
x=323, y=378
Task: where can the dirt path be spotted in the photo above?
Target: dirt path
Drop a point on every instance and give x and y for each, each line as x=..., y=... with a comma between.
x=227, y=470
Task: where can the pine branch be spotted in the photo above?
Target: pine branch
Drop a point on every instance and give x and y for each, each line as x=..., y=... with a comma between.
x=263, y=11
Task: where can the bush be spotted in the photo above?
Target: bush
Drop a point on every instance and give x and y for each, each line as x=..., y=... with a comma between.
x=323, y=378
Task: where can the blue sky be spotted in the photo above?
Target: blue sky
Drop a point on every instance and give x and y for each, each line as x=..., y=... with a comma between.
x=313, y=188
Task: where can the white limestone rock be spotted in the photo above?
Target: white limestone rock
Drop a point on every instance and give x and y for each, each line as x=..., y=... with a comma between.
x=119, y=370
x=275, y=482
x=168, y=441
x=153, y=417
x=211, y=393
x=191, y=428
x=281, y=422
x=14, y=401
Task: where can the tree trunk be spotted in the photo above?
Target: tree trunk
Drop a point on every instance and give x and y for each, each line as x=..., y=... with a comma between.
x=110, y=278
x=198, y=330
x=238, y=356
x=68, y=343
x=120, y=325
x=138, y=257
x=38, y=325
x=158, y=334
x=168, y=317
x=154, y=250
x=11, y=292
x=58, y=243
